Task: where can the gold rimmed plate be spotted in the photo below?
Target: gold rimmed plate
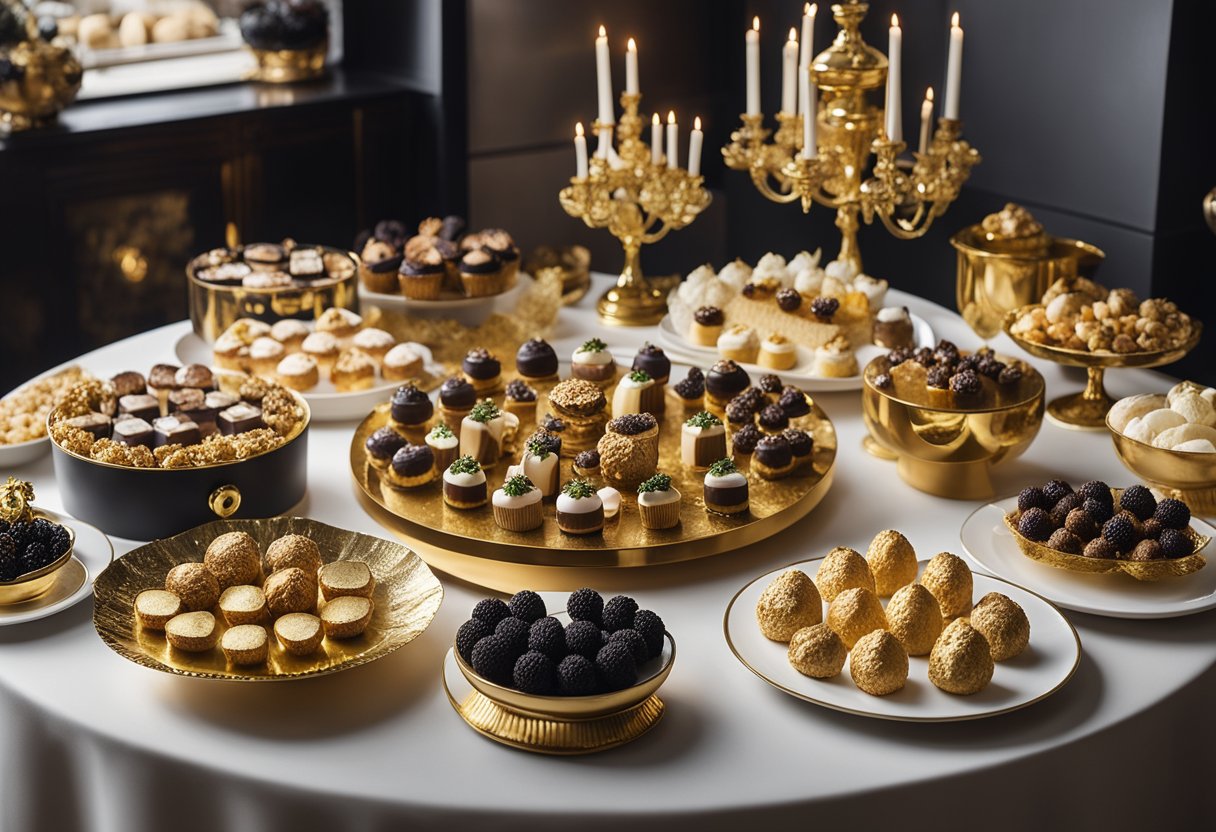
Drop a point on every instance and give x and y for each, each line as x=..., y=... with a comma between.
x=407, y=597
x=71, y=581
x=1043, y=668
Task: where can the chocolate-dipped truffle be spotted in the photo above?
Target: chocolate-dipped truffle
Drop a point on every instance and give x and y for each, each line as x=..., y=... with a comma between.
x=536, y=360
x=482, y=369
x=381, y=446
x=652, y=360
x=769, y=384
x=725, y=380
x=793, y=402
x=774, y=419
x=773, y=457
x=129, y=383
x=410, y=406
x=744, y=440
x=692, y=389
x=412, y=465
x=519, y=391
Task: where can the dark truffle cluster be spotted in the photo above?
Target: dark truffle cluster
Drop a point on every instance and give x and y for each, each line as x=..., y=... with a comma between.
x=692, y=387
x=743, y=441
x=824, y=308
x=789, y=300
x=949, y=369
x=284, y=24
x=517, y=644
x=588, y=460
x=26, y=546
x=519, y=391
x=770, y=384
x=632, y=424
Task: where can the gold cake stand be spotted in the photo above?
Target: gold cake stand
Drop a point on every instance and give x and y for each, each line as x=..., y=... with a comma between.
x=472, y=547
x=1087, y=410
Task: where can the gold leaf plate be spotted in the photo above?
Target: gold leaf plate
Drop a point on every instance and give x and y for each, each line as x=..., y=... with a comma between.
x=407, y=597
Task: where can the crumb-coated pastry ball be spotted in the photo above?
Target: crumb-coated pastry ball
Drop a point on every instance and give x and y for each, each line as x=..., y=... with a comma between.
x=1146, y=550
x=817, y=652
x=1062, y=540
x=915, y=618
x=294, y=550
x=892, y=562
x=154, y=608
x=854, y=613
x=961, y=661
x=788, y=604
x=1082, y=524
x=949, y=579
x=300, y=633
x=878, y=663
x=842, y=569
x=346, y=616
x=194, y=632
x=245, y=644
x=194, y=584
x=1100, y=547
x=234, y=559
x=1003, y=622
x=290, y=590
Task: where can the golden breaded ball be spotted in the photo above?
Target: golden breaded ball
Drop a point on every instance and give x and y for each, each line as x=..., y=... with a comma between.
x=879, y=663
x=915, y=618
x=788, y=604
x=892, y=562
x=1004, y=623
x=842, y=568
x=817, y=652
x=290, y=590
x=294, y=550
x=961, y=661
x=234, y=559
x=194, y=584
x=949, y=579
x=854, y=613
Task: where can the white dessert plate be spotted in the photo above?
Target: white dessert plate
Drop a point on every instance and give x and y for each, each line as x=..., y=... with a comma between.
x=327, y=404
x=677, y=346
x=1043, y=668
x=73, y=581
x=990, y=545
x=23, y=453
x=465, y=311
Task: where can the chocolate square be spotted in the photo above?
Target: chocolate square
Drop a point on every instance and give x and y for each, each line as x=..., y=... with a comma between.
x=306, y=264
x=141, y=406
x=175, y=430
x=187, y=399
x=239, y=418
x=133, y=432
x=97, y=424
x=162, y=377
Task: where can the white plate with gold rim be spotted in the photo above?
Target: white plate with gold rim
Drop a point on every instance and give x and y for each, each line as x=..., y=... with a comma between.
x=73, y=582
x=1044, y=667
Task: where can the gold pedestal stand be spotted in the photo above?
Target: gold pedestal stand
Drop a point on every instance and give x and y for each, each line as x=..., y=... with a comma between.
x=639, y=201
x=905, y=199
x=286, y=66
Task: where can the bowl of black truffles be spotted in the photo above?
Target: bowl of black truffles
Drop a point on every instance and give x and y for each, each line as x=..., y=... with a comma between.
x=288, y=38
x=596, y=657
x=34, y=545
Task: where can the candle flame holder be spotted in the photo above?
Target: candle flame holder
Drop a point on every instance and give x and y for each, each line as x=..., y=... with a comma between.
x=639, y=201
x=905, y=197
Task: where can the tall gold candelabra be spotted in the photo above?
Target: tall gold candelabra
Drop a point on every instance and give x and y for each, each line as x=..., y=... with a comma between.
x=849, y=128
x=639, y=201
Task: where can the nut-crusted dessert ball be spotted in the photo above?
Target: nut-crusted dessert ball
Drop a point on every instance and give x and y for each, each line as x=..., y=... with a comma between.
x=1003, y=622
x=842, y=569
x=915, y=618
x=817, y=652
x=949, y=579
x=293, y=550
x=234, y=559
x=879, y=663
x=892, y=562
x=194, y=584
x=961, y=661
x=290, y=590
x=854, y=613
x=788, y=604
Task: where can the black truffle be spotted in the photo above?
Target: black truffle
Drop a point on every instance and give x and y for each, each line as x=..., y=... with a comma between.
x=519, y=391
x=616, y=665
x=515, y=633
x=801, y=442
x=824, y=308
x=548, y=636
x=384, y=443
x=744, y=440
x=1055, y=490
x=491, y=610
x=586, y=605
x=536, y=359
x=1035, y=524
x=619, y=612
x=1101, y=512
x=588, y=460
x=788, y=299
x=1031, y=497
x=1066, y=504
x=793, y=402
x=692, y=388
x=535, y=673
x=494, y=659
x=965, y=383
x=650, y=627
x=576, y=676
x=1173, y=514
x=769, y=384
x=654, y=362
x=471, y=632
x=527, y=606
x=1097, y=490
x=1120, y=532
x=634, y=641
x=583, y=637
x=633, y=424
x=1139, y=501
x=1175, y=544
x=774, y=418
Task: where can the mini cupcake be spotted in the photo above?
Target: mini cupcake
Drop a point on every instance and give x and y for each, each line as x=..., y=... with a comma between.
x=593, y=362
x=540, y=463
x=517, y=505
x=725, y=488
x=298, y=371
x=323, y=347
x=381, y=446
x=587, y=464
x=500, y=243
x=411, y=466
x=580, y=510
x=421, y=277
x=772, y=419
x=520, y=399
x=464, y=484
x=340, y=323
x=893, y=328
x=659, y=503
x=702, y=440
x=652, y=360
x=485, y=432
x=456, y=399
x=740, y=343
x=354, y=370
x=400, y=363
x=802, y=446
x=536, y=363
x=378, y=263
x=637, y=393
x=724, y=381
x=777, y=352
x=629, y=449
x=290, y=333
x=773, y=458
x=835, y=359
x=264, y=355
x=706, y=326
x=481, y=274
x=410, y=410
x=374, y=342
x=444, y=444
x=483, y=371
x=691, y=390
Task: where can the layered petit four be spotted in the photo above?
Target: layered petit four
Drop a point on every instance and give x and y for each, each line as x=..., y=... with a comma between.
x=464, y=484
x=541, y=465
x=702, y=440
x=485, y=433
x=726, y=490
x=740, y=343
x=444, y=445
x=581, y=407
x=637, y=392
x=777, y=352
x=517, y=505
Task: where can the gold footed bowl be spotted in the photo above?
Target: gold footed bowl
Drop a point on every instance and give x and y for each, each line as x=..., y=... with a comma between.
x=1189, y=477
x=285, y=66
x=33, y=584
x=1087, y=410
x=50, y=79
x=946, y=450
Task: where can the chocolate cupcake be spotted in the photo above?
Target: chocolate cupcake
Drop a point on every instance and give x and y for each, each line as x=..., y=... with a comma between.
x=726, y=490
x=456, y=399
x=536, y=362
x=483, y=370
x=773, y=458
x=420, y=277
x=481, y=274
x=653, y=361
x=724, y=381
x=580, y=510
x=502, y=246
x=410, y=410
x=464, y=484
x=382, y=445
x=411, y=466
x=378, y=264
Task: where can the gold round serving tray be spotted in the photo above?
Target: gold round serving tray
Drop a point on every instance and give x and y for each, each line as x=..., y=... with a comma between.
x=407, y=597
x=464, y=543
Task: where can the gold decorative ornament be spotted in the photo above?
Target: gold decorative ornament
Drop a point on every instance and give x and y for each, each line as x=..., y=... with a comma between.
x=639, y=202
x=225, y=501
x=47, y=79
x=285, y=66
x=15, y=498
x=14, y=507
x=904, y=198
x=1185, y=476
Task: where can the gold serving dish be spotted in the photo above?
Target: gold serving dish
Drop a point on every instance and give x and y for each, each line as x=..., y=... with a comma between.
x=32, y=584
x=1152, y=570
x=470, y=545
x=1185, y=476
x=571, y=263
x=407, y=597
x=285, y=66
x=944, y=449
x=1087, y=410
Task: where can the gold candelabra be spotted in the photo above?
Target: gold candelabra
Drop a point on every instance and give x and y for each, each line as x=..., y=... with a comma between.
x=905, y=197
x=639, y=201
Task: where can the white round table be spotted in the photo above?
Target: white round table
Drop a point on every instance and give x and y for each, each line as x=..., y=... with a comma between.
x=90, y=741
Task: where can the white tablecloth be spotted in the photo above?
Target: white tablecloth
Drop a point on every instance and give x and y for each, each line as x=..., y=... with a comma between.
x=90, y=741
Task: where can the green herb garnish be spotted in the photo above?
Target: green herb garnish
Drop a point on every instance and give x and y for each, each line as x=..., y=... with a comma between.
x=659, y=482
x=484, y=411
x=538, y=447
x=578, y=489
x=722, y=467
x=517, y=486
x=703, y=420
x=465, y=465
x=639, y=376
x=594, y=345
x=441, y=431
